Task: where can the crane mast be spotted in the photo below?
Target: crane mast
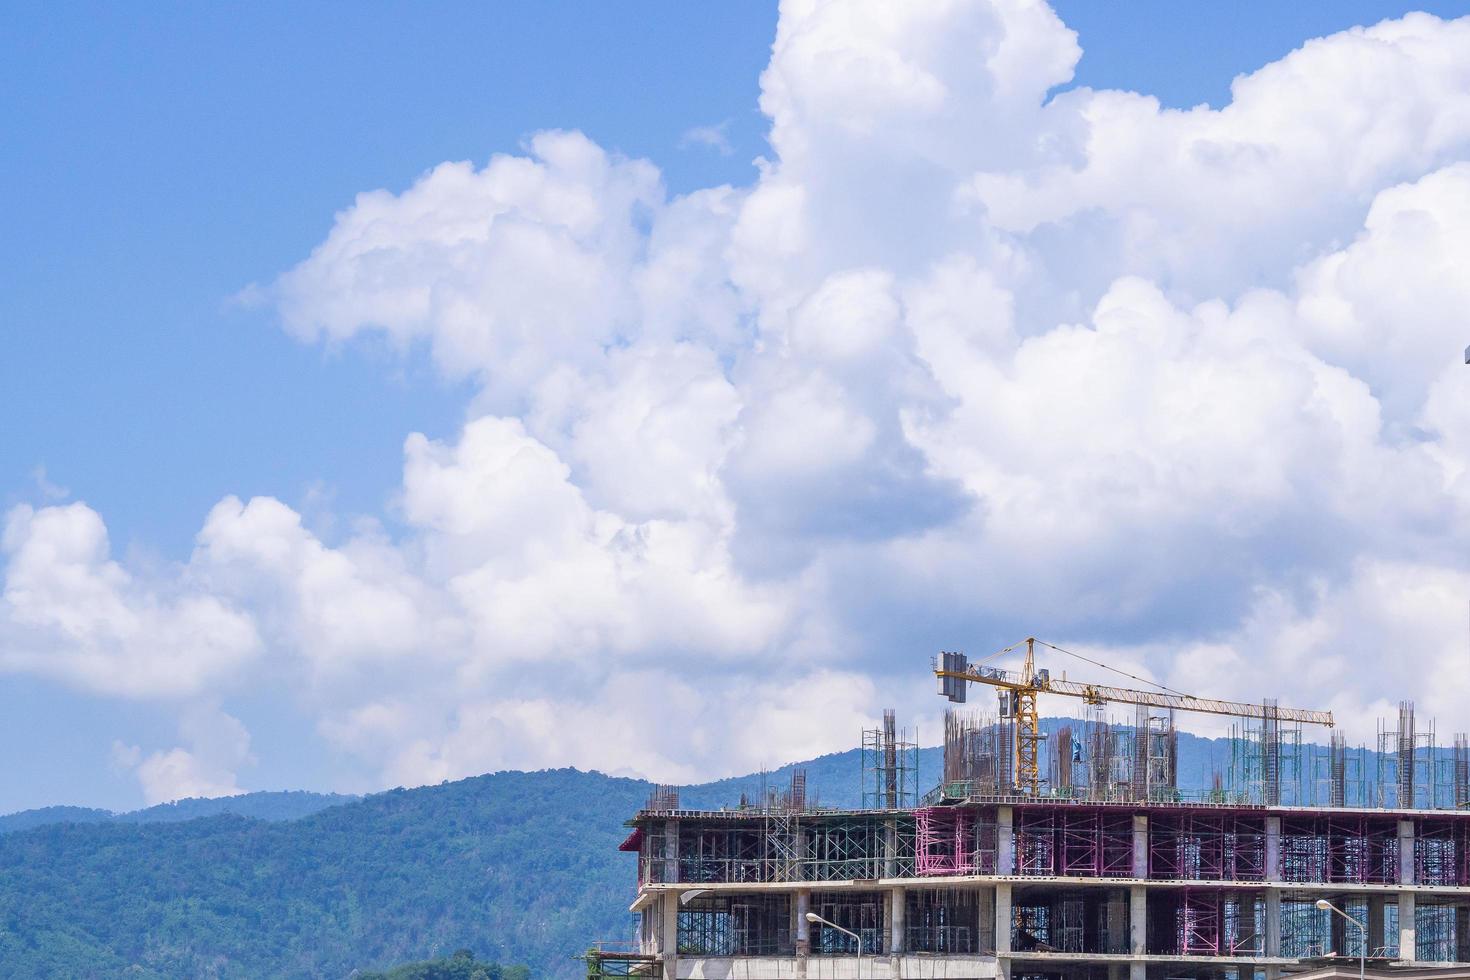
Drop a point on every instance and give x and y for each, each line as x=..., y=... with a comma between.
x=955, y=672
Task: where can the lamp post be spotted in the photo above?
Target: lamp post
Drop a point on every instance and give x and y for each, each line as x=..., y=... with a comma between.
x=817, y=919
x=1322, y=903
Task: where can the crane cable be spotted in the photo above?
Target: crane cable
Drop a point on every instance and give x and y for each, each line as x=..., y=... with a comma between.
x=1001, y=653
x=1095, y=663
x=1098, y=663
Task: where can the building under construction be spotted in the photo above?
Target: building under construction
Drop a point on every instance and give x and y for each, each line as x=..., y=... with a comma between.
x=1070, y=854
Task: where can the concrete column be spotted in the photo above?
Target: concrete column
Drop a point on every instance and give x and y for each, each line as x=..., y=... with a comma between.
x=897, y=906
x=1137, y=971
x=1140, y=845
x=1273, y=848
x=1406, y=927
x=798, y=873
x=1002, y=918
x=1273, y=921
x=671, y=850
x=669, y=952
x=890, y=848
x=803, y=928
x=1005, y=841
x=1375, y=924
x=985, y=921
x=1406, y=852
x=1137, y=920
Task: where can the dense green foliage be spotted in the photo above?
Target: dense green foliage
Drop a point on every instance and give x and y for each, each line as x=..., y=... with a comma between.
x=522, y=867
x=288, y=805
x=461, y=966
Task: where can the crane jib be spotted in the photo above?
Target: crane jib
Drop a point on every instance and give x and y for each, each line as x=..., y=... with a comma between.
x=1186, y=702
x=1099, y=693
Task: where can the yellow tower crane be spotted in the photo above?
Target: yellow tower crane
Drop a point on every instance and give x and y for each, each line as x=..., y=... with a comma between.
x=955, y=671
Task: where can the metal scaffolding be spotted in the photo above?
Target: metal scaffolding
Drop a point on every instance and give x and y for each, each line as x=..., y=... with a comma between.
x=890, y=758
x=863, y=913
x=950, y=840
x=1071, y=920
x=945, y=920
x=1347, y=848
x=1218, y=922
x=1217, y=845
x=1408, y=774
x=1267, y=764
x=745, y=925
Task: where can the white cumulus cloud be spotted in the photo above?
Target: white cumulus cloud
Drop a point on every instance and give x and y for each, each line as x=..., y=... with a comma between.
x=218, y=745
x=68, y=610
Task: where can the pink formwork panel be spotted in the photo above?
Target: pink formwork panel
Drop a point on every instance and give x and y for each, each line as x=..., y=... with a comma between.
x=943, y=841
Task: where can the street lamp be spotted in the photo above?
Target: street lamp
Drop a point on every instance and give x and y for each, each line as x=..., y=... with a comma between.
x=816, y=919
x=1322, y=903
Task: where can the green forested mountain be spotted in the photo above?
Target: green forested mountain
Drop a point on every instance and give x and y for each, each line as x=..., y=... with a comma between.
x=288, y=805
x=26, y=819
x=521, y=868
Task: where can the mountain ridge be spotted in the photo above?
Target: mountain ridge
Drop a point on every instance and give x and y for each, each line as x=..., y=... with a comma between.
x=261, y=805
x=833, y=779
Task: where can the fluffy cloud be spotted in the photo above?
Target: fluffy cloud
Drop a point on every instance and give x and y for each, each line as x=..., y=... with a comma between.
x=218, y=746
x=1166, y=454
x=69, y=611
x=539, y=573
x=640, y=722
x=1391, y=306
x=505, y=270
x=338, y=606
x=1214, y=201
x=975, y=355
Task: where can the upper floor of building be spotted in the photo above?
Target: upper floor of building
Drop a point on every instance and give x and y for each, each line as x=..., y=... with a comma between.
x=1052, y=839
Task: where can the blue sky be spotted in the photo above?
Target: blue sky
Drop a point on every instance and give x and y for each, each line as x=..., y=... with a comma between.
x=163, y=158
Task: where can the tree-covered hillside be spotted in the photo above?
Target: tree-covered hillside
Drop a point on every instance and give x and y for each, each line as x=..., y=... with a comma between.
x=26, y=819
x=521, y=867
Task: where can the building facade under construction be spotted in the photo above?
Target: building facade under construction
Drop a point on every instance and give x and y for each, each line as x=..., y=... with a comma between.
x=1097, y=866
